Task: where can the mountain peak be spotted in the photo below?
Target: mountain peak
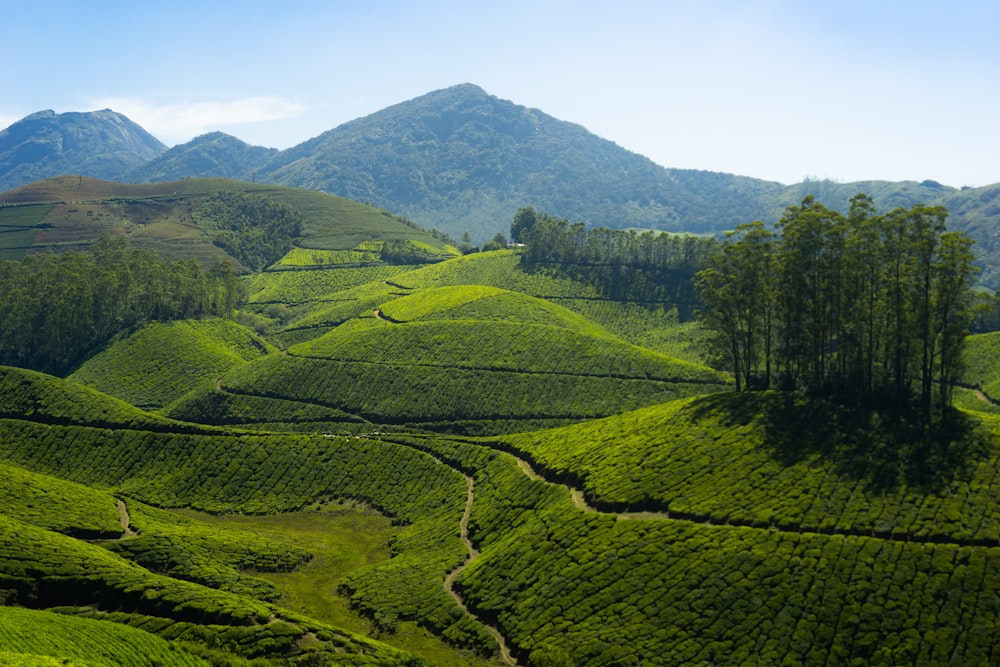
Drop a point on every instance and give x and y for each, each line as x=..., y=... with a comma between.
x=101, y=144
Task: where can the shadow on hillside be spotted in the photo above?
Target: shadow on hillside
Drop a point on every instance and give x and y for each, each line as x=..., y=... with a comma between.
x=883, y=449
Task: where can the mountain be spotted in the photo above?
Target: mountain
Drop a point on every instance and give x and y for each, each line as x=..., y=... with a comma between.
x=215, y=154
x=462, y=159
x=101, y=144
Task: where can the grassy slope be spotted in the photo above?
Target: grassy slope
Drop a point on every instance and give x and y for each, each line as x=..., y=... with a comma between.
x=162, y=361
x=982, y=363
x=595, y=590
x=784, y=461
x=469, y=354
x=28, y=635
x=71, y=212
x=591, y=588
x=335, y=300
x=44, y=398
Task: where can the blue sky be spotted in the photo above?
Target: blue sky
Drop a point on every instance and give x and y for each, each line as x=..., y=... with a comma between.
x=774, y=89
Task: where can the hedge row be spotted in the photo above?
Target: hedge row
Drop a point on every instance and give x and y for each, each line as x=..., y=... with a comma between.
x=784, y=462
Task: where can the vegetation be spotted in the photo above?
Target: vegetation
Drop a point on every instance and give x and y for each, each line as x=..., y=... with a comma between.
x=874, y=307
x=533, y=477
x=90, y=296
x=621, y=264
x=253, y=228
x=45, y=639
x=162, y=361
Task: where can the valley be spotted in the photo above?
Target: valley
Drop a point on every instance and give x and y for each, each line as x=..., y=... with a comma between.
x=383, y=451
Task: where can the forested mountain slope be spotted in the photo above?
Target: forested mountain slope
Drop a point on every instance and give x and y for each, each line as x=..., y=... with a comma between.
x=100, y=144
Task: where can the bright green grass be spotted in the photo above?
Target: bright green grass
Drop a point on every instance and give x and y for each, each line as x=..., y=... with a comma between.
x=28, y=636
x=162, y=361
x=648, y=325
x=982, y=363
x=312, y=257
x=222, y=558
x=493, y=346
x=297, y=287
x=483, y=304
x=56, y=504
x=342, y=538
x=969, y=399
x=784, y=461
x=40, y=397
x=405, y=392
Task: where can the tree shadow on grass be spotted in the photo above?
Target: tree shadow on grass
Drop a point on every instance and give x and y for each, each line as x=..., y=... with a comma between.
x=882, y=448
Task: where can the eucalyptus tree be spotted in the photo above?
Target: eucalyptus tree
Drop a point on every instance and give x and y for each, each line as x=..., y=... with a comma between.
x=867, y=306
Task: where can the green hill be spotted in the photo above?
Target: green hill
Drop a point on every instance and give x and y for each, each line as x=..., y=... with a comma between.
x=333, y=299
x=756, y=539
x=73, y=211
x=37, y=397
x=470, y=358
x=44, y=639
x=784, y=462
x=162, y=361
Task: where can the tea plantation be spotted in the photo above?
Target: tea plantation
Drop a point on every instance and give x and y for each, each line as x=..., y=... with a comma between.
x=560, y=478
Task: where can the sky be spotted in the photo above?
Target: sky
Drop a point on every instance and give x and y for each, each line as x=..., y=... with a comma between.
x=782, y=90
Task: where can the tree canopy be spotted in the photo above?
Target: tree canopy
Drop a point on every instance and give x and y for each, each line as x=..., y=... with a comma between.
x=869, y=306
x=56, y=307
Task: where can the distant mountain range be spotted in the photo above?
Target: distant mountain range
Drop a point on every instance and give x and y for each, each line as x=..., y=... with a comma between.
x=461, y=160
x=101, y=144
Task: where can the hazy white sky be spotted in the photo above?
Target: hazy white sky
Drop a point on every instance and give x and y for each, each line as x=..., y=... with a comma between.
x=775, y=89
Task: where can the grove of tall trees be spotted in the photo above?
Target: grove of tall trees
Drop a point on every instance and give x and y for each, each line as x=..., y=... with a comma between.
x=54, y=308
x=622, y=264
x=869, y=307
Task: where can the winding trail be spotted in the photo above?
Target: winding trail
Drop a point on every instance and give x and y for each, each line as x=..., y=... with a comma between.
x=126, y=520
x=449, y=581
x=580, y=501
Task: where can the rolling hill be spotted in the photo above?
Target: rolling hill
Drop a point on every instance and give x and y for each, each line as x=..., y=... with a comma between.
x=72, y=212
x=460, y=160
x=467, y=358
x=399, y=455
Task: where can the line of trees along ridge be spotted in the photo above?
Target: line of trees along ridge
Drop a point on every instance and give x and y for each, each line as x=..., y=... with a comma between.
x=870, y=306
x=621, y=264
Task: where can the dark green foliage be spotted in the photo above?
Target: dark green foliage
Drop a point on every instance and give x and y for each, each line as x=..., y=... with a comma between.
x=871, y=308
x=621, y=264
x=253, y=228
x=56, y=308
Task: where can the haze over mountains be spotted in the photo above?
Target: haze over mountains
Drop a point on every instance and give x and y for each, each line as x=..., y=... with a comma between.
x=461, y=160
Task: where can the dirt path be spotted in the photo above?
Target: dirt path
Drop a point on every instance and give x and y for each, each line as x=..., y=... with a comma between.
x=580, y=501
x=449, y=581
x=125, y=519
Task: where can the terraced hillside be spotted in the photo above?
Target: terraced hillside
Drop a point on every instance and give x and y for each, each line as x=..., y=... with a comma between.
x=334, y=298
x=801, y=559
x=162, y=361
x=73, y=211
x=466, y=358
x=554, y=485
